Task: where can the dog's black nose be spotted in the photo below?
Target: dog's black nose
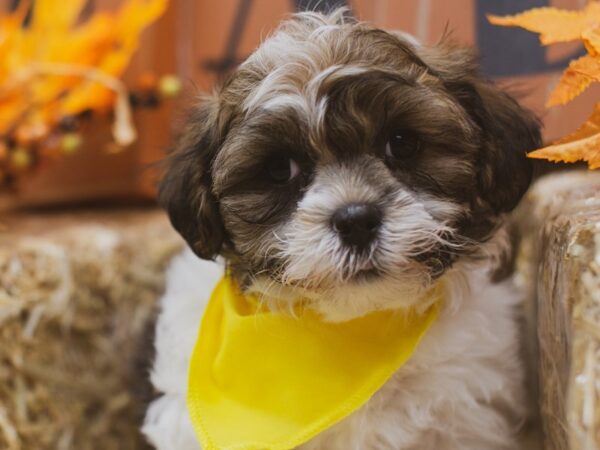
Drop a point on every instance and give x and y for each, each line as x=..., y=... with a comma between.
x=357, y=223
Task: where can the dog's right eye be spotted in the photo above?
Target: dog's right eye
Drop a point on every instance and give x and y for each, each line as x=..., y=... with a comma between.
x=282, y=169
x=401, y=146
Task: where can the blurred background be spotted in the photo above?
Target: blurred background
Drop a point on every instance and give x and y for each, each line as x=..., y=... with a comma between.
x=194, y=44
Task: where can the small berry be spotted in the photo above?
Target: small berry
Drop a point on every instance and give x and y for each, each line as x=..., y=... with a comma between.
x=70, y=143
x=169, y=86
x=20, y=158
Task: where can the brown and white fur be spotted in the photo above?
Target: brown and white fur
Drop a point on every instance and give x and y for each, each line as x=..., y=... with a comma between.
x=352, y=167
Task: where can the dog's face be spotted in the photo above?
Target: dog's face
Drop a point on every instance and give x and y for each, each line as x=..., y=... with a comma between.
x=341, y=158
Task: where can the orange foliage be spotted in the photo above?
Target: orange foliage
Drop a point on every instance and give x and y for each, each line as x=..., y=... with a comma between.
x=583, y=144
x=556, y=25
x=576, y=78
x=552, y=24
x=59, y=65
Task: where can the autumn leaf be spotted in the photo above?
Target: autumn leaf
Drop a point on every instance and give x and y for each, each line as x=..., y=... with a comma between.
x=59, y=65
x=130, y=21
x=577, y=77
x=591, y=40
x=583, y=144
x=553, y=24
x=556, y=25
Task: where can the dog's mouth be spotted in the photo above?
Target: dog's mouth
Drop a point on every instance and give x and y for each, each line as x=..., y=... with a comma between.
x=366, y=275
x=367, y=272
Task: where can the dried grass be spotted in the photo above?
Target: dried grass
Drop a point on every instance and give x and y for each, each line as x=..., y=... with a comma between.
x=74, y=305
x=560, y=265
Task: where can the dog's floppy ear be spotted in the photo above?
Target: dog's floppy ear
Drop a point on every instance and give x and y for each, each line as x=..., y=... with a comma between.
x=508, y=131
x=185, y=190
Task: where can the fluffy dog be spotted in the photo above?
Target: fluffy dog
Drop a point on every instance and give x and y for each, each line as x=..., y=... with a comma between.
x=355, y=168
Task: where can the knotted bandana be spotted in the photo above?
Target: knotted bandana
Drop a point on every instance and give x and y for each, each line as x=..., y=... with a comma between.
x=264, y=380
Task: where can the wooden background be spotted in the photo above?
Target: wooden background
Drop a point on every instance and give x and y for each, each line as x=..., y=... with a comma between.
x=202, y=40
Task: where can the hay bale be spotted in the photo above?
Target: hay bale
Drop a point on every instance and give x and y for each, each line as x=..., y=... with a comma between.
x=559, y=264
x=77, y=292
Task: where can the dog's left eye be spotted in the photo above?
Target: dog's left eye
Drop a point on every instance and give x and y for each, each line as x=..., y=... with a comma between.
x=401, y=145
x=282, y=169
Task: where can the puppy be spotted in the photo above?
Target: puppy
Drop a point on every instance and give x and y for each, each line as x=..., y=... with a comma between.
x=351, y=166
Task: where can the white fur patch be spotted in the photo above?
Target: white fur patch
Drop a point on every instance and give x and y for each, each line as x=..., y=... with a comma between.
x=462, y=389
x=190, y=282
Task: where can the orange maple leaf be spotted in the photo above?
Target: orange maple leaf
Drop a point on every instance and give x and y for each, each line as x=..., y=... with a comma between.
x=59, y=65
x=556, y=25
x=553, y=24
x=576, y=78
x=130, y=21
x=583, y=144
x=591, y=39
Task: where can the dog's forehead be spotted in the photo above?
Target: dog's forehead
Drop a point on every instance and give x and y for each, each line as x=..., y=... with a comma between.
x=307, y=75
x=293, y=71
x=290, y=67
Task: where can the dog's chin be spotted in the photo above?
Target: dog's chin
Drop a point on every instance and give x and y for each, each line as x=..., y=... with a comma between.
x=362, y=292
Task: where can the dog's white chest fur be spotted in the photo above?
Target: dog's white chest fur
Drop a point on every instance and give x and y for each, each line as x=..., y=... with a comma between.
x=462, y=389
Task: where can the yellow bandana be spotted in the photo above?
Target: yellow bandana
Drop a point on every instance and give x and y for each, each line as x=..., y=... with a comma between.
x=261, y=380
